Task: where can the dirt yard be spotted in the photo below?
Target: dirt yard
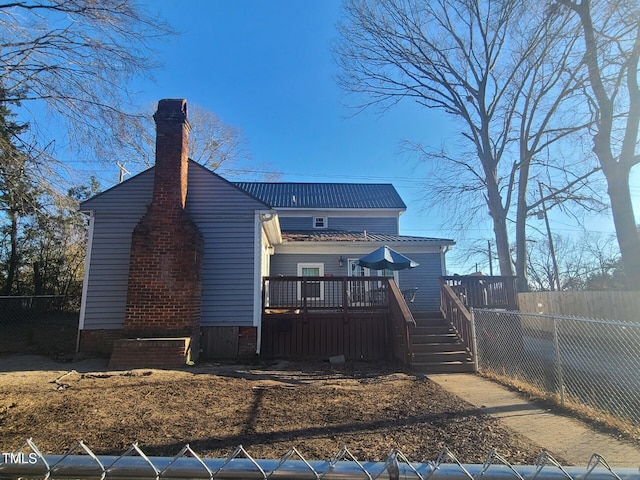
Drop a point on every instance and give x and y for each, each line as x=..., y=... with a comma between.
x=370, y=408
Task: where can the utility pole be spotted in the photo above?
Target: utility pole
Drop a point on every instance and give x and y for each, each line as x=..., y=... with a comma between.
x=551, y=248
x=490, y=258
x=123, y=171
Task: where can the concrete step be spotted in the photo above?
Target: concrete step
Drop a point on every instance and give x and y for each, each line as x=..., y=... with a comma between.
x=440, y=357
x=442, y=367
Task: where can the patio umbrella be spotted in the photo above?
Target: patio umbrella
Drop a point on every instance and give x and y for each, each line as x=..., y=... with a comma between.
x=385, y=258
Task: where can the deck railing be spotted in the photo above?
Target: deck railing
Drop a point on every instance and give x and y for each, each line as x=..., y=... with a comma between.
x=458, y=315
x=479, y=291
x=401, y=321
x=303, y=294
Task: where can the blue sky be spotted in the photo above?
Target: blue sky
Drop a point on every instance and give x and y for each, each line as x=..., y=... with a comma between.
x=267, y=68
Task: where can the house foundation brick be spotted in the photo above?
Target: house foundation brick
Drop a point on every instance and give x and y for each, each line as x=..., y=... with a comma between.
x=99, y=342
x=150, y=353
x=247, y=342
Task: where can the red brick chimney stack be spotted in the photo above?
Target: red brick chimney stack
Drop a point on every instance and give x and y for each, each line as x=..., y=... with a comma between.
x=164, y=289
x=172, y=137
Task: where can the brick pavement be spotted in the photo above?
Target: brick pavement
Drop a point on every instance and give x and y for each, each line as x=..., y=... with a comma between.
x=560, y=435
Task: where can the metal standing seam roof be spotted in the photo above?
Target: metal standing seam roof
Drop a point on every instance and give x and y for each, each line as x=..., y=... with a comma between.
x=325, y=195
x=345, y=236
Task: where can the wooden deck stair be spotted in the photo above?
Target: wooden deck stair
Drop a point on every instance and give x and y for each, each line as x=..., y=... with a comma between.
x=436, y=347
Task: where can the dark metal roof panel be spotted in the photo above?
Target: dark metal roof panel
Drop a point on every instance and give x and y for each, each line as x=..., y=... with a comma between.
x=344, y=236
x=325, y=195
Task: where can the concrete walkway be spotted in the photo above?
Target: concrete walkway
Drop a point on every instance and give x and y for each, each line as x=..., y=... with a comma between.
x=561, y=436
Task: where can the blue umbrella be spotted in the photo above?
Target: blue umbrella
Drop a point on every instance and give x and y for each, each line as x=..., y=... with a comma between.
x=385, y=258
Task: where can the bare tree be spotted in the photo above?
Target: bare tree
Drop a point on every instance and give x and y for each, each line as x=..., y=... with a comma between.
x=76, y=58
x=585, y=263
x=488, y=65
x=611, y=33
x=214, y=143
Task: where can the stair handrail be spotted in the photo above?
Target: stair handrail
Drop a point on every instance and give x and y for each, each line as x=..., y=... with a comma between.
x=457, y=315
x=401, y=318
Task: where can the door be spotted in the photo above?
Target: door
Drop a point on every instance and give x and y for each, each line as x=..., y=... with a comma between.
x=310, y=290
x=366, y=293
x=357, y=290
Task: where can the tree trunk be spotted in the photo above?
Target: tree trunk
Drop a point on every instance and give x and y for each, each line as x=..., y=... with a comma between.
x=13, y=254
x=522, y=282
x=38, y=288
x=624, y=221
x=499, y=216
x=502, y=246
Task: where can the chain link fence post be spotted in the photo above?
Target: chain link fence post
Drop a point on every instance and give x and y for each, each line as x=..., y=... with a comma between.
x=474, y=341
x=558, y=361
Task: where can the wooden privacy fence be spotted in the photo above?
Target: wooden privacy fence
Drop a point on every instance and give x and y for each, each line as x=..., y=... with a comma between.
x=610, y=305
x=358, y=317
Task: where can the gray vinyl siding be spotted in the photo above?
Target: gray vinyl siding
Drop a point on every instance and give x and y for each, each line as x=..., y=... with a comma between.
x=425, y=276
x=226, y=218
x=287, y=265
x=133, y=195
x=116, y=213
x=388, y=225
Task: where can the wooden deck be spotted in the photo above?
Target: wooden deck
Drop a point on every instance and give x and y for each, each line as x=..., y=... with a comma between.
x=362, y=318
x=367, y=318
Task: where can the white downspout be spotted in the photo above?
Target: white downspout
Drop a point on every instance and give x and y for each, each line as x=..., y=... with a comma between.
x=257, y=284
x=85, y=280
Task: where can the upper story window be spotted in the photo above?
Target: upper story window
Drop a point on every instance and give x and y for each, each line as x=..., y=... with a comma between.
x=319, y=222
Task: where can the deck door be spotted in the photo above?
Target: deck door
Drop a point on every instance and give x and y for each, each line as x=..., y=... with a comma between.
x=310, y=290
x=358, y=291
x=366, y=293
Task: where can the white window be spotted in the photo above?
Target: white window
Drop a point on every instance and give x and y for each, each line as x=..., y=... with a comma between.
x=311, y=290
x=319, y=222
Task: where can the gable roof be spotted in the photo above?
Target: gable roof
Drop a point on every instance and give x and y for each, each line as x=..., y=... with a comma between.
x=141, y=184
x=325, y=195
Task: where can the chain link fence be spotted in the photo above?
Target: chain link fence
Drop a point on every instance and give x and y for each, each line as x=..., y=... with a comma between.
x=81, y=462
x=42, y=324
x=594, y=363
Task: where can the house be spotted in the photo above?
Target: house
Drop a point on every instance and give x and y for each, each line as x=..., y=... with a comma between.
x=178, y=252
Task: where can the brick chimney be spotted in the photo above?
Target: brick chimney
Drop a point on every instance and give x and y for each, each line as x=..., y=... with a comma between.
x=164, y=289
